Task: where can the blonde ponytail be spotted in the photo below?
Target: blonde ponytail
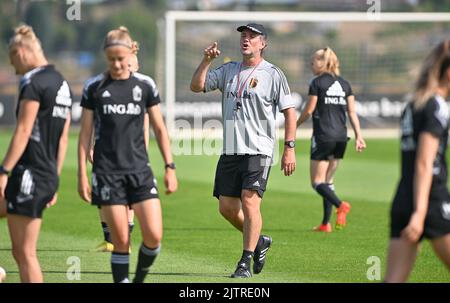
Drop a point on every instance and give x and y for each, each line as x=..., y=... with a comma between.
x=24, y=36
x=330, y=61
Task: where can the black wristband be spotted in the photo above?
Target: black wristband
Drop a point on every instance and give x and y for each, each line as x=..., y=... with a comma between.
x=170, y=165
x=3, y=171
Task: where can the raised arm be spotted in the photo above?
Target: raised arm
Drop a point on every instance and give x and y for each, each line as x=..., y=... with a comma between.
x=199, y=77
x=360, y=144
x=162, y=138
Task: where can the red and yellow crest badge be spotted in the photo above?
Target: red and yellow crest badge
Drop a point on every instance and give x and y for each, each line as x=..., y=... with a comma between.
x=253, y=83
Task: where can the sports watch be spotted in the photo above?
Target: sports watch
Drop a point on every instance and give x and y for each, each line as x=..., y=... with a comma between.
x=170, y=165
x=290, y=144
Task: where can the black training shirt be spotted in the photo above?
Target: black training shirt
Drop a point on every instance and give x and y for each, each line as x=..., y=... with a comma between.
x=47, y=86
x=432, y=118
x=329, y=117
x=119, y=107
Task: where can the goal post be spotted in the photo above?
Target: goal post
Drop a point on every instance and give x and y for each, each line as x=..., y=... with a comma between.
x=321, y=25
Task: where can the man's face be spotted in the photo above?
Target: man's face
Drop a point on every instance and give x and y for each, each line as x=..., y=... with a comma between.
x=251, y=43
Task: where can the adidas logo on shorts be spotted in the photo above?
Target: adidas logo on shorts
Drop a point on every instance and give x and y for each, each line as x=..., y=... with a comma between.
x=445, y=210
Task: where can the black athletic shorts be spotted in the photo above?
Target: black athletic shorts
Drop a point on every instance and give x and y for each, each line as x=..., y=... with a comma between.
x=321, y=151
x=123, y=189
x=437, y=221
x=27, y=194
x=237, y=172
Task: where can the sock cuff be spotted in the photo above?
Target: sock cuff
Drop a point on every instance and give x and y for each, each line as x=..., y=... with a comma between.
x=247, y=253
x=150, y=251
x=120, y=258
x=316, y=185
x=331, y=185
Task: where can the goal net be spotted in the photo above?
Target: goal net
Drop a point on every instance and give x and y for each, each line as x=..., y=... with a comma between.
x=379, y=56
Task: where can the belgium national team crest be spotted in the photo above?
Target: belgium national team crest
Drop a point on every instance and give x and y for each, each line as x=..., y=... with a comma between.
x=253, y=83
x=137, y=94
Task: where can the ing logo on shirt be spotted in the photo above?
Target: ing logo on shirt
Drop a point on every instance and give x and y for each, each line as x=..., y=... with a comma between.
x=122, y=109
x=253, y=83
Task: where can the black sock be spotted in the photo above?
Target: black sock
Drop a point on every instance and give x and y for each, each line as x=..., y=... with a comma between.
x=106, y=234
x=120, y=263
x=146, y=258
x=327, y=208
x=327, y=193
x=246, y=258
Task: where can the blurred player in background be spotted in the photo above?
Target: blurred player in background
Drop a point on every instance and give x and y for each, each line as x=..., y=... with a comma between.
x=29, y=174
x=106, y=245
x=421, y=206
x=122, y=177
x=330, y=98
x=252, y=91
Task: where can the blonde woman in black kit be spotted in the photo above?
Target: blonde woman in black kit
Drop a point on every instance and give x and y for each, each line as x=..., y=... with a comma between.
x=122, y=177
x=421, y=207
x=330, y=99
x=37, y=150
x=106, y=245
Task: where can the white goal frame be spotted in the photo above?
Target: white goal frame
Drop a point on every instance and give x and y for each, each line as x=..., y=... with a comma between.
x=171, y=18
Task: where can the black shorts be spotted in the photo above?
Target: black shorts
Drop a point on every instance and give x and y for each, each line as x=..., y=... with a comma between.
x=27, y=194
x=437, y=221
x=325, y=151
x=123, y=189
x=237, y=172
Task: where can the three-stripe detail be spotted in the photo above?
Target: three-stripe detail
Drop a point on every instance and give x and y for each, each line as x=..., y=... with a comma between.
x=27, y=184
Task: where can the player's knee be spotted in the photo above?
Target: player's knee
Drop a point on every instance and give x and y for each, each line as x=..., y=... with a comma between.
x=153, y=239
x=21, y=255
x=121, y=243
x=227, y=211
x=153, y=242
x=223, y=210
x=250, y=210
x=250, y=205
x=17, y=254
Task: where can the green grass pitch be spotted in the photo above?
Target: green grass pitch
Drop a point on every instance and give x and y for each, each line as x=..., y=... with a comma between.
x=200, y=246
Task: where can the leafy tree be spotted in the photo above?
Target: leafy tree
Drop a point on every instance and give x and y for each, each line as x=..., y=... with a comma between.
x=38, y=15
